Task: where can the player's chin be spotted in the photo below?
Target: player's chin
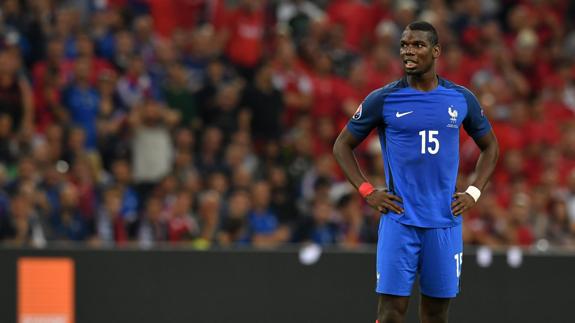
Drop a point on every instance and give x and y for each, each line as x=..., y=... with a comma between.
x=412, y=71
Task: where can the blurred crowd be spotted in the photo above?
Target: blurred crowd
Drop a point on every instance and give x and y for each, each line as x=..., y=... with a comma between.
x=210, y=123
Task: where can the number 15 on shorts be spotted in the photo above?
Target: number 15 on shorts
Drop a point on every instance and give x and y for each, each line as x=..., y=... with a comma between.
x=458, y=262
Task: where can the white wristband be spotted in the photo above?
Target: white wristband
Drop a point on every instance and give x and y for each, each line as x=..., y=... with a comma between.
x=474, y=192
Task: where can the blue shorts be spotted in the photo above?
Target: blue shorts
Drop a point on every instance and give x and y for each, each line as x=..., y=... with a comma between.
x=404, y=251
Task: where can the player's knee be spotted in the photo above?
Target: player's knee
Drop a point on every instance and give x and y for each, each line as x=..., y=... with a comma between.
x=434, y=314
x=391, y=314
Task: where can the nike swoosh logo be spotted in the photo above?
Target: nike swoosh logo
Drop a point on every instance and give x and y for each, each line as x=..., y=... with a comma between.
x=399, y=115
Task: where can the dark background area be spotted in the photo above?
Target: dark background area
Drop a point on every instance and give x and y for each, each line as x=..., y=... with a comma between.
x=264, y=286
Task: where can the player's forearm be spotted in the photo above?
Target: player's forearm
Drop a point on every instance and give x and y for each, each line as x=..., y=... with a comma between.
x=343, y=153
x=486, y=162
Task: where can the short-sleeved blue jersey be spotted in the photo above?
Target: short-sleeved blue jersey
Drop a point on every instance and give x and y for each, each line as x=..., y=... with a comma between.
x=419, y=136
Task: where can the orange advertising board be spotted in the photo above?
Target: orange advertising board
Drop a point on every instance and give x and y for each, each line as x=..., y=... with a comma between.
x=45, y=290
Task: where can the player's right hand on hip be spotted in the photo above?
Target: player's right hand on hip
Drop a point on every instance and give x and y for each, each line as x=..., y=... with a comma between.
x=384, y=201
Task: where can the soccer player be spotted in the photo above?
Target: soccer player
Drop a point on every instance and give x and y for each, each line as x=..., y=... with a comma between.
x=418, y=119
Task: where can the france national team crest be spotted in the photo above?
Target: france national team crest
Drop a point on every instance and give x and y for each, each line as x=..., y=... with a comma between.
x=452, y=116
x=357, y=113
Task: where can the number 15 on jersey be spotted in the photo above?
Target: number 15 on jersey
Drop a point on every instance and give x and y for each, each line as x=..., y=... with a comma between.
x=429, y=141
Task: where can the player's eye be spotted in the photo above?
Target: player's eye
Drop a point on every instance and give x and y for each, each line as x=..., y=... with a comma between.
x=419, y=45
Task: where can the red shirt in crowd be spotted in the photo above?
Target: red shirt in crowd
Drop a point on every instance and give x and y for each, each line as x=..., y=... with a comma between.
x=355, y=17
x=180, y=228
x=295, y=83
x=171, y=15
x=326, y=100
x=246, y=44
x=174, y=14
x=379, y=77
x=379, y=10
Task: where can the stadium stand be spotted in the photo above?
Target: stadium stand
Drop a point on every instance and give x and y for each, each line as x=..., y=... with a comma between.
x=210, y=123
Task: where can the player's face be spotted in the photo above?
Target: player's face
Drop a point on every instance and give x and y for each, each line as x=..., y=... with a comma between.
x=417, y=53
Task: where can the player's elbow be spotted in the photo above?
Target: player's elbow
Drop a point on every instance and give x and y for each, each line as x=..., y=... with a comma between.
x=493, y=150
x=338, y=148
x=496, y=154
x=335, y=148
x=489, y=147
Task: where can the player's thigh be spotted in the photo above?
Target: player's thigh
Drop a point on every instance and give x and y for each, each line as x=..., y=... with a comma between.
x=441, y=262
x=398, y=250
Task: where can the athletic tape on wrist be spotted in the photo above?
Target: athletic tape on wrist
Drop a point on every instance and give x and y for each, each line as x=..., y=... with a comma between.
x=474, y=192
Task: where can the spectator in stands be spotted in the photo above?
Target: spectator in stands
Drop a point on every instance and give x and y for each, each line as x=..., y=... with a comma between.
x=180, y=97
x=54, y=63
x=54, y=136
x=136, y=85
x=151, y=124
x=218, y=182
x=381, y=67
x=182, y=225
x=51, y=185
x=84, y=46
x=520, y=231
x=290, y=77
x=209, y=208
x=84, y=176
x=110, y=227
x=67, y=223
x=264, y=227
x=234, y=229
x=244, y=36
x=570, y=198
x=124, y=50
x=49, y=77
x=210, y=154
x=356, y=229
x=122, y=181
x=224, y=113
x=82, y=102
x=16, y=100
x=111, y=120
x=265, y=105
x=22, y=226
x=351, y=18
x=8, y=142
x=145, y=38
x=342, y=55
x=319, y=227
x=298, y=16
x=153, y=226
x=4, y=197
x=282, y=200
x=317, y=180
x=89, y=119
x=184, y=155
x=559, y=229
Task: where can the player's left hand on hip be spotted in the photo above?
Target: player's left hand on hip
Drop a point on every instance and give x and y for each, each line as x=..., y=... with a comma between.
x=461, y=203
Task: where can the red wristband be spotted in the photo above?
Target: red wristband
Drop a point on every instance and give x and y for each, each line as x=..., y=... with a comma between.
x=365, y=189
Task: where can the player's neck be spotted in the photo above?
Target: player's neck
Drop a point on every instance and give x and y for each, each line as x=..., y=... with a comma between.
x=423, y=82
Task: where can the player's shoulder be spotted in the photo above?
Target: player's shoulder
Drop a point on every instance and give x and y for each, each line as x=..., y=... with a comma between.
x=393, y=86
x=385, y=90
x=456, y=87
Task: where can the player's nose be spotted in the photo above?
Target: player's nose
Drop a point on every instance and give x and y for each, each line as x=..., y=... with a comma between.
x=409, y=50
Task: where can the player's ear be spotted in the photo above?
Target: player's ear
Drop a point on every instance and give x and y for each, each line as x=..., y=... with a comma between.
x=436, y=51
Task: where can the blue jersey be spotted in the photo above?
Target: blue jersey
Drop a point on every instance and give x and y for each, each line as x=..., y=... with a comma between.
x=419, y=136
x=84, y=106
